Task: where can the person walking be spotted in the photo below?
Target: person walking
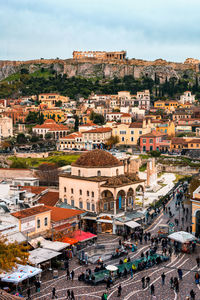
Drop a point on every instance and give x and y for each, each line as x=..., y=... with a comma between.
x=68, y=274
x=119, y=290
x=152, y=290
x=196, y=277
x=143, y=282
x=72, y=275
x=192, y=295
x=29, y=293
x=180, y=274
x=163, y=278
x=68, y=294
x=72, y=295
x=171, y=283
x=54, y=293
x=147, y=281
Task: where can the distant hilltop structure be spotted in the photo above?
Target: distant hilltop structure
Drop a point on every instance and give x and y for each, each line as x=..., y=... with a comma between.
x=101, y=55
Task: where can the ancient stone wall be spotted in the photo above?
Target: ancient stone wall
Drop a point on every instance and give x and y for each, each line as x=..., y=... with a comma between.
x=100, y=55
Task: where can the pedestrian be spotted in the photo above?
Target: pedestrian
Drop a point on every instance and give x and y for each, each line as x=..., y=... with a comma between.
x=170, y=251
x=131, y=272
x=192, y=294
x=152, y=289
x=143, y=282
x=72, y=295
x=72, y=275
x=147, y=281
x=29, y=293
x=180, y=274
x=171, y=282
x=68, y=294
x=119, y=290
x=163, y=278
x=108, y=283
x=198, y=261
x=54, y=293
x=38, y=286
x=68, y=274
x=196, y=276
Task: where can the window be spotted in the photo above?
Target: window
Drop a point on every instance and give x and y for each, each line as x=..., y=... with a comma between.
x=80, y=204
x=123, y=202
x=65, y=190
x=80, y=192
x=88, y=205
x=65, y=200
x=122, y=132
x=88, y=193
x=79, y=173
x=38, y=223
x=117, y=172
x=151, y=148
x=197, y=145
x=122, y=139
x=144, y=141
x=98, y=173
x=92, y=194
x=140, y=132
x=72, y=202
x=151, y=141
x=132, y=131
x=105, y=206
x=112, y=205
x=45, y=221
x=130, y=200
x=72, y=191
x=132, y=139
x=191, y=145
x=93, y=207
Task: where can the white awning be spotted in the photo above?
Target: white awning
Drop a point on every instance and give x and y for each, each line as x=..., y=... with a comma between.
x=41, y=255
x=105, y=221
x=132, y=224
x=55, y=246
x=182, y=237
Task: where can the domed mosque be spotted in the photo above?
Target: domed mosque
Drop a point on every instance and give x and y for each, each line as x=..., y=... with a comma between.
x=103, y=186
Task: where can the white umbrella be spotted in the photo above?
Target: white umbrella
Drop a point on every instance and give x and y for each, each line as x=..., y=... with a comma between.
x=15, y=277
x=111, y=268
x=182, y=237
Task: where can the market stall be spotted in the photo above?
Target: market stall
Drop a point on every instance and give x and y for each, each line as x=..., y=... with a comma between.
x=41, y=255
x=185, y=241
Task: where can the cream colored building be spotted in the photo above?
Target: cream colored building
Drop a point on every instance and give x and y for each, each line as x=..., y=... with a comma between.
x=98, y=183
x=96, y=137
x=187, y=97
x=6, y=127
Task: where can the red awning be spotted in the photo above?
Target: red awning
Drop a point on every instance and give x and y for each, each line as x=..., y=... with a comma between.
x=70, y=241
x=83, y=236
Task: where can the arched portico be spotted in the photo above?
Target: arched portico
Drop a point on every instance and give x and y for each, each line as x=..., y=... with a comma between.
x=121, y=197
x=107, y=200
x=130, y=199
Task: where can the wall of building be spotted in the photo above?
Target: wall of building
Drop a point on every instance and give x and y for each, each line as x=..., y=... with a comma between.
x=91, y=172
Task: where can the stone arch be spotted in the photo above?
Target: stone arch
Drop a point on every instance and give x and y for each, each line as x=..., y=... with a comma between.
x=107, y=200
x=121, y=196
x=98, y=173
x=130, y=197
x=139, y=189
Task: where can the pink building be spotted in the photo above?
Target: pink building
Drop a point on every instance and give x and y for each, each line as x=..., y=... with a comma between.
x=152, y=141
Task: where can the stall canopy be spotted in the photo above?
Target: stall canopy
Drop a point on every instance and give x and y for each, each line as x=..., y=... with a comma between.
x=21, y=273
x=132, y=224
x=83, y=236
x=41, y=255
x=182, y=237
x=70, y=241
x=55, y=246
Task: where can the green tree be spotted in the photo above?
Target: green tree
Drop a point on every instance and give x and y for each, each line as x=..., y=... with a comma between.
x=21, y=138
x=112, y=141
x=97, y=118
x=58, y=103
x=48, y=136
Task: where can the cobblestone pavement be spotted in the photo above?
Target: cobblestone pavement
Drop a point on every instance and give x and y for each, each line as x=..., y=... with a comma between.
x=131, y=287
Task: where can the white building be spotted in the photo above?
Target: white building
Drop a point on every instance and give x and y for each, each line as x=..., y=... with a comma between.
x=187, y=97
x=6, y=127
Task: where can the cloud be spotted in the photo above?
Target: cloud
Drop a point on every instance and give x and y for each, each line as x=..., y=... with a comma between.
x=146, y=29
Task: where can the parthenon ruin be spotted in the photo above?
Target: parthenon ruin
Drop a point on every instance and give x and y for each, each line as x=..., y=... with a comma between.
x=101, y=55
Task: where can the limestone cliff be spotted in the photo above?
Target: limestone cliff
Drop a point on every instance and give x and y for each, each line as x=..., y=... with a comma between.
x=105, y=68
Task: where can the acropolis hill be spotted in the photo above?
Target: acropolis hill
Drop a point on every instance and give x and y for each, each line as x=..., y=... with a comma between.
x=105, y=65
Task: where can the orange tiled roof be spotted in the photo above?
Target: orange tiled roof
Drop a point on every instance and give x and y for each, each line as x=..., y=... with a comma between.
x=35, y=189
x=135, y=125
x=49, y=199
x=153, y=134
x=25, y=213
x=59, y=213
x=125, y=115
x=99, y=130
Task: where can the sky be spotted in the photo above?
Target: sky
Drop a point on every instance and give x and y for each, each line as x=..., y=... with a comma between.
x=146, y=29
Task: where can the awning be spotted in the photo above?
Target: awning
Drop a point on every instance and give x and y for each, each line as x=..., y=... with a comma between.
x=132, y=224
x=105, y=221
x=55, y=246
x=70, y=241
x=83, y=236
x=21, y=273
x=41, y=255
x=182, y=237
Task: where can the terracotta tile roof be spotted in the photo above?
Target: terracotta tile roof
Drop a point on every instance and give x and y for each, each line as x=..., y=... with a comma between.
x=25, y=213
x=125, y=115
x=35, y=189
x=178, y=140
x=153, y=134
x=99, y=130
x=136, y=125
x=71, y=136
x=49, y=199
x=194, y=141
x=59, y=213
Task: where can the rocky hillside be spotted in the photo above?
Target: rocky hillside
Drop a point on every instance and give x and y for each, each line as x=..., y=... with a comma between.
x=104, y=69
